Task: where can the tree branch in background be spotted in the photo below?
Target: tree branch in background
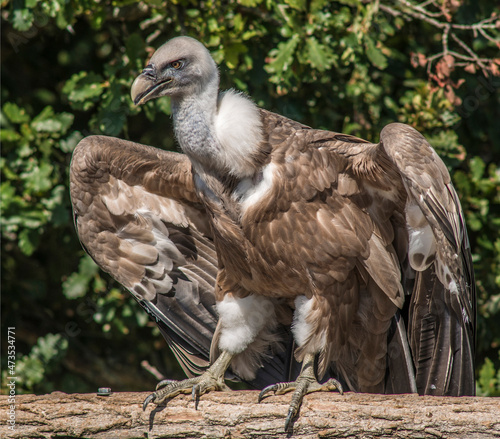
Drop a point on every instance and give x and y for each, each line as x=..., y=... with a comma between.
x=455, y=51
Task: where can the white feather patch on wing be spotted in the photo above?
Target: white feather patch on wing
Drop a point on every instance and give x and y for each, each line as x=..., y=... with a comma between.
x=238, y=127
x=249, y=192
x=242, y=320
x=422, y=243
x=445, y=276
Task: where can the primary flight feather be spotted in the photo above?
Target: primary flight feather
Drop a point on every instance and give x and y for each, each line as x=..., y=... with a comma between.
x=269, y=243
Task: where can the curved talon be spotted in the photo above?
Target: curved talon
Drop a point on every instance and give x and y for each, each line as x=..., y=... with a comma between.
x=149, y=399
x=288, y=421
x=270, y=388
x=301, y=389
x=195, y=393
x=332, y=384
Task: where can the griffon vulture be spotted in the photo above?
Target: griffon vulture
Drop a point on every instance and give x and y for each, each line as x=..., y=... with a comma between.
x=269, y=242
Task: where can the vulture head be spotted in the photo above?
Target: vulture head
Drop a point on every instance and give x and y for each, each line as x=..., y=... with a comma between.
x=220, y=132
x=181, y=67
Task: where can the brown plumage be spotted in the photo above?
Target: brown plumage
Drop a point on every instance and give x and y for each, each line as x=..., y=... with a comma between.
x=365, y=244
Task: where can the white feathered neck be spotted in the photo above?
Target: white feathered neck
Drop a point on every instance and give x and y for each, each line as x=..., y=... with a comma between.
x=238, y=126
x=219, y=131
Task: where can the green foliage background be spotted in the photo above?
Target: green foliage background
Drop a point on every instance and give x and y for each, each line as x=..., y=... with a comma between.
x=67, y=66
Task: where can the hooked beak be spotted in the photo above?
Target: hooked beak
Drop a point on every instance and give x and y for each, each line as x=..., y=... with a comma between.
x=146, y=87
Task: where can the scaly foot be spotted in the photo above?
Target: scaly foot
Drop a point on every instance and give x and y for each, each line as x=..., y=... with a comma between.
x=306, y=383
x=212, y=379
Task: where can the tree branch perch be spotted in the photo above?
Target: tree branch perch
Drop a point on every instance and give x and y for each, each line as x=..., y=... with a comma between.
x=237, y=415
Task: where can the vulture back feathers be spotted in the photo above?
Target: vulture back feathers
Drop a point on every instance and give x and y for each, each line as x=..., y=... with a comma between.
x=318, y=242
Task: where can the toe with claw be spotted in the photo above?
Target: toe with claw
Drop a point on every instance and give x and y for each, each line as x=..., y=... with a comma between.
x=305, y=383
x=212, y=379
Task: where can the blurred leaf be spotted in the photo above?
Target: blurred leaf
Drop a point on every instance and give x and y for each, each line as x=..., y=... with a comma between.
x=297, y=4
x=9, y=136
x=49, y=122
x=28, y=241
x=374, y=54
x=320, y=57
x=477, y=167
x=77, y=283
x=38, y=179
x=489, y=380
x=317, y=5
x=250, y=3
x=83, y=89
x=68, y=145
x=282, y=57
x=55, y=203
x=31, y=369
x=49, y=346
x=111, y=122
x=232, y=54
x=14, y=113
x=22, y=19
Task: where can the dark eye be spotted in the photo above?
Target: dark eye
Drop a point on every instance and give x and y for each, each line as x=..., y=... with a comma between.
x=176, y=64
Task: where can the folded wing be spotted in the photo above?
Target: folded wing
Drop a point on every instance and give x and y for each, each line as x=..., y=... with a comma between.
x=441, y=320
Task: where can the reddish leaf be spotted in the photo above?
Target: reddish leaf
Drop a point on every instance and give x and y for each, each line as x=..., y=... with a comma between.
x=449, y=7
x=422, y=59
x=418, y=60
x=495, y=71
x=470, y=68
x=445, y=66
x=414, y=59
x=451, y=96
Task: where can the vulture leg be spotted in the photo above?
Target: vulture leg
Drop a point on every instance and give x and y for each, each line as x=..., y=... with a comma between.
x=305, y=383
x=211, y=379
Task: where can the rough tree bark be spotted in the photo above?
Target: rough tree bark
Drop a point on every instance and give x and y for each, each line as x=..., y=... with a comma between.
x=237, y=415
